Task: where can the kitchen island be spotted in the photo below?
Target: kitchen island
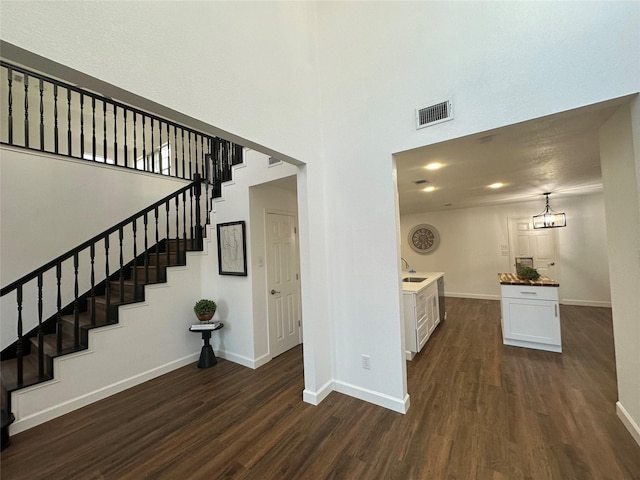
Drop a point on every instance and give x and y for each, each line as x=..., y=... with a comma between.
x=421, y=308
x=530, y=312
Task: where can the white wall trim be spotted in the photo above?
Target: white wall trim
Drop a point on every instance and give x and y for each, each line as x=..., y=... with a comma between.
x=91, y=397
x=472, y=295
x=585, y=303
x=314, y=398
x=628, y=422
x=252, y=363
x=570, y=301
x=386, y=401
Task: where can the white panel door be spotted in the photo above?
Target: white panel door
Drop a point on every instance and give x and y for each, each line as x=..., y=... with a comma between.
x=282, y=283
x=541, y=244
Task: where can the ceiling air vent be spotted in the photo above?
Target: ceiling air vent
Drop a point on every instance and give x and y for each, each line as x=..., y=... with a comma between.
x=433, y=114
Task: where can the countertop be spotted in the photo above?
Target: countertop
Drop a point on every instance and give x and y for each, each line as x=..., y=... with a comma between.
x=513, y=279
x=414, y=287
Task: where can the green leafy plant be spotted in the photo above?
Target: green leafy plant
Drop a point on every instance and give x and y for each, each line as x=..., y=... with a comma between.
x=528, y=273
x=205, y=306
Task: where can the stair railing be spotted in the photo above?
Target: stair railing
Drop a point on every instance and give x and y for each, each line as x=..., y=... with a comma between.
x=131, y=242
x=48, y=115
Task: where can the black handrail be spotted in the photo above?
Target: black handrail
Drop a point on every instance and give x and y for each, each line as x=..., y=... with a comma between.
x=191, y=222
x=65, y=256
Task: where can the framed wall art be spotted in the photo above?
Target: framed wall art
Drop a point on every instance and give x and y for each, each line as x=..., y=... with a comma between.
x=232, y=249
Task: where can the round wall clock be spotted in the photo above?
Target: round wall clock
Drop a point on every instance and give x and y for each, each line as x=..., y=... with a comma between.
x=424, y=238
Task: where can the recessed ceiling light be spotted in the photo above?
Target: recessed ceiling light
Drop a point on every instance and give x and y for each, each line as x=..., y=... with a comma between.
x=496, y=185
x=434, y=166
x=429, y=189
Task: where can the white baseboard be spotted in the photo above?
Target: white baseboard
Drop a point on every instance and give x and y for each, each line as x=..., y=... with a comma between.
x=377, y=398
x=314, y=398
x=242, y=360
x=473, y=295
x=68, y=406
x=628, y=422
x=585, y=303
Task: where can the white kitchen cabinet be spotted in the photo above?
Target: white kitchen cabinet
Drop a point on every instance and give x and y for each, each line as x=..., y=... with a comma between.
x=531, y=317
x=421, y=315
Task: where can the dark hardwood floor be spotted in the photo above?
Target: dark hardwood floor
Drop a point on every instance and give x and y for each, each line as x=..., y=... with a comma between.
x=479, y=410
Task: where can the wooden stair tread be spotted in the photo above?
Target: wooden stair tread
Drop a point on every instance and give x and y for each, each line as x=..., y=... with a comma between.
x=9, y=372
x=84, y=319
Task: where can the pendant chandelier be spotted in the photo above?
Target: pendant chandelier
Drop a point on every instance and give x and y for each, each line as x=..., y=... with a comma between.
x=549, y=218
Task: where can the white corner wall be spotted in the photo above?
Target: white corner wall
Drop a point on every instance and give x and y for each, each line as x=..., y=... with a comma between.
x=500, y=62
x=243, y=338
x=620, y=156
x=470, y=248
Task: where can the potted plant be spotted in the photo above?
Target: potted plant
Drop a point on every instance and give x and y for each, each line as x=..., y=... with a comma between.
x=528, y=273
x=204, y=309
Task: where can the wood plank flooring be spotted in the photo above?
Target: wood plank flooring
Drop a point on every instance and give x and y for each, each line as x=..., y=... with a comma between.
x=479, y=410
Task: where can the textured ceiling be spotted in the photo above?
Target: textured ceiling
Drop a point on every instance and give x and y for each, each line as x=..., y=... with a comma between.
x=557, y=154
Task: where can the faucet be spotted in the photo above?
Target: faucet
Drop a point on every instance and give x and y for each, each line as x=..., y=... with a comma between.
x=405, y=262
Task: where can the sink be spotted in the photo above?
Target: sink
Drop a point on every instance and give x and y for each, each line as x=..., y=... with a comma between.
x=414, y=279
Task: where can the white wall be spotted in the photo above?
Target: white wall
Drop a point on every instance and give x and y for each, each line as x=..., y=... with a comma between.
x=470, y=248
x=500, y=62
x=236, y=296
x=620, y=155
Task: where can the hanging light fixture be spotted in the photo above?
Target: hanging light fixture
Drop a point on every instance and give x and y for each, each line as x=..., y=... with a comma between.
x=549, y=218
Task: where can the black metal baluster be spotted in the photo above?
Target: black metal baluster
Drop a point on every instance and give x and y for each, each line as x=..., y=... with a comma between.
x=82, y=125
x=146, y=249
x=160, y=159
x=135, y=260
x=184, y=227
x=175, y=148
x=115, y=134
x=40, y=330
x=126, y=146
x=104, y=131
x=120, y=237
x=55, y=118
x=135, y=143
x=41, y=84
x=76, y=309
x=153, y=150
x=177, y=228
x=182, y=137
x=198, y=189
x=93, y=127
x=195, y=141
x=157, y=243
x=168, y=150
x=191, y=225
x=69, y=136
x=107, y=284
x=19, y=347
x=10, y=101
x=207, y=160
x=203, y=172
x=167, y=234
x=26, y=110
x=190, y=158
x=92, y=254
x=59, y=309
x=144, y=146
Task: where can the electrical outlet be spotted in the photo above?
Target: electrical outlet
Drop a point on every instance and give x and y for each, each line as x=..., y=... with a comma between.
x=366, y=362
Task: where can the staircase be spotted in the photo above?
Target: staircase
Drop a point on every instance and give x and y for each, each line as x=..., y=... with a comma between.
x=95, y=311
x=116, y=268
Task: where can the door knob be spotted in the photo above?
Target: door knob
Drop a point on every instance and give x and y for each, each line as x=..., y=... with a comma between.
x=552, y=264
x=273, y=292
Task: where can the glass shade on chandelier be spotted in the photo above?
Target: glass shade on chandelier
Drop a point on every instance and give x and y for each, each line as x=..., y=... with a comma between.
x=549, y=218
